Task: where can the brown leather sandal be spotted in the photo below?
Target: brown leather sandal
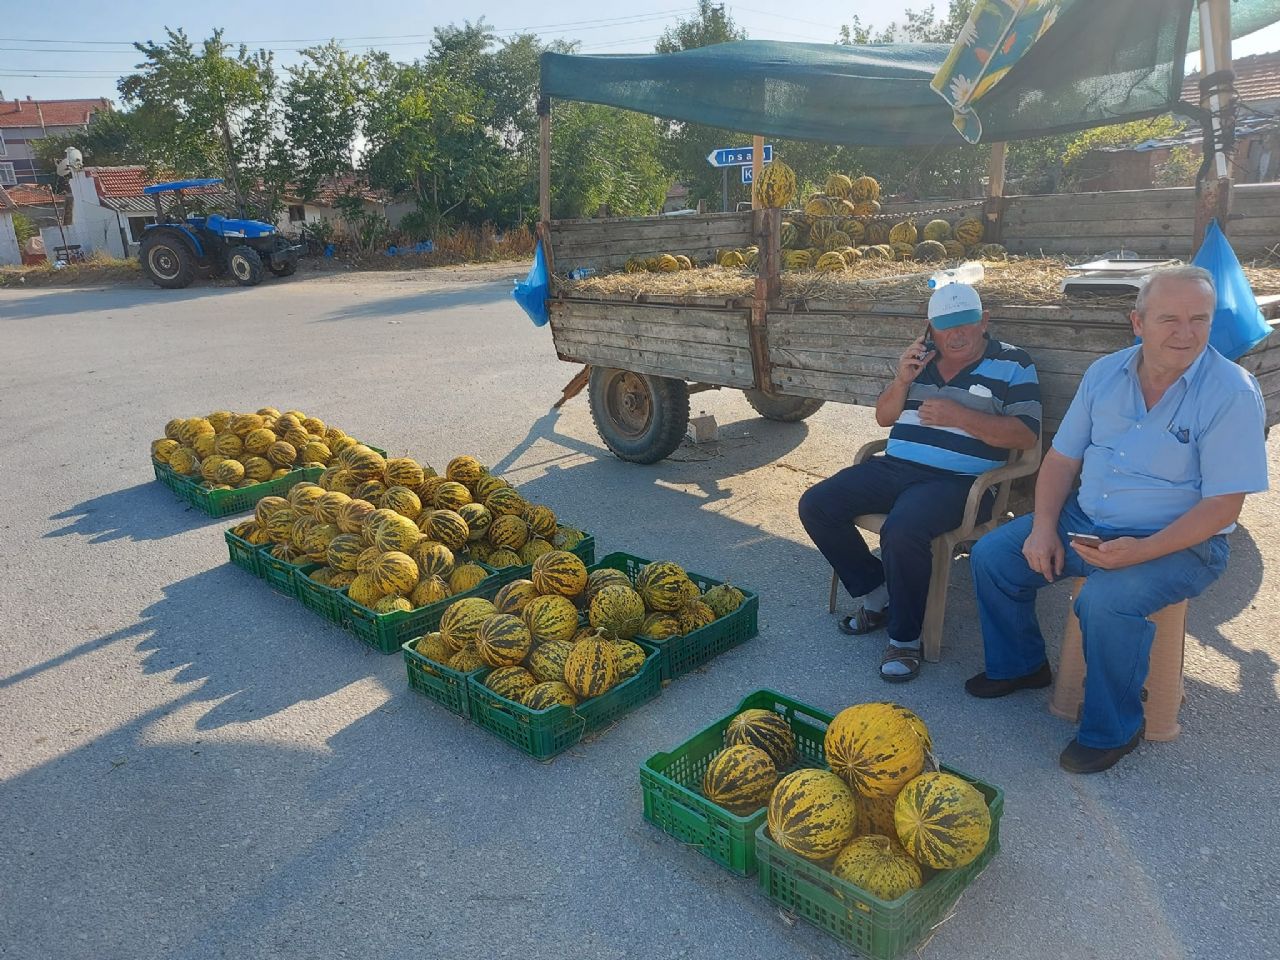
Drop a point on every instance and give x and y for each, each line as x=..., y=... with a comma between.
x=908, y=656
x=863, y=622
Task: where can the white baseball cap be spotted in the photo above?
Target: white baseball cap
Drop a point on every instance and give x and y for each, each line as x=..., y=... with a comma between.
x=954, y=305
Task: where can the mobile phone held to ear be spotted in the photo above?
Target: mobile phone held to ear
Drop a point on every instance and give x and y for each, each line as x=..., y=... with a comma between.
x=928, y=346
x=1088, y=539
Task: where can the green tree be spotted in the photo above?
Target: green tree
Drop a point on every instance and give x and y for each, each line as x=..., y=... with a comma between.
x=205, y=109
x=686, y=145
x=424, y=136
x=323, y=103
x=602, y=155
x=111, y=139
x=916, y=26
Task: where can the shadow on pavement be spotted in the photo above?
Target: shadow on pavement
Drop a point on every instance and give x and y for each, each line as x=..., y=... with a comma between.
x=63, y=302
x=147, y=511
x=405, y=307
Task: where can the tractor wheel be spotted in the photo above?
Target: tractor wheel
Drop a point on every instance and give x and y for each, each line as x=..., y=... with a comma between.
x=245, y=265
x=774, y=406
x=286, y=268
x=166, y=261
x=640, y=418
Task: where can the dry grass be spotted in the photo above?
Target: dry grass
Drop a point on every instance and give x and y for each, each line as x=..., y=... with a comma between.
x=96, y=268
x=466, y=244
x=1023, y=280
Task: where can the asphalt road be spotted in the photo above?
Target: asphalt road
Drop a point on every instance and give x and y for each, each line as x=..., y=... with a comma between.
x=194, y=767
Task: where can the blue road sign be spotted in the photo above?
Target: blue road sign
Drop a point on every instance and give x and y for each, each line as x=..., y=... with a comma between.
x=737, y=156
x=746, y=175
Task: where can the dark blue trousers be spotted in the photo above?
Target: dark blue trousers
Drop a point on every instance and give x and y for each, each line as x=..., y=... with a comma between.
x=921, y=503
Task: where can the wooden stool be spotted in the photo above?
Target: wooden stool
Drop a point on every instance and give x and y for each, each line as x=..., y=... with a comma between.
x=1163, y=694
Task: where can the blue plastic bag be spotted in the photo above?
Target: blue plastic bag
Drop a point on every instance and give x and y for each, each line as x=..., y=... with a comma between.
x=1238, y=324
x=531, y=294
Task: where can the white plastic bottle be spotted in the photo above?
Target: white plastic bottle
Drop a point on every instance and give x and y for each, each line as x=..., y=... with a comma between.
x=969, y=272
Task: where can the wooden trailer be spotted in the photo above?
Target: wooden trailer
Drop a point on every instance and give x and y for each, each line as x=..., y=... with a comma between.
x=789, y=356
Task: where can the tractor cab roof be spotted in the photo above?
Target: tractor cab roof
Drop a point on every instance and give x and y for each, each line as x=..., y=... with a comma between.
x=176, y=185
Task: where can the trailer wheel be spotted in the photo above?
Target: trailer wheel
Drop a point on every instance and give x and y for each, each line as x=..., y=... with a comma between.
x=773, y=406
x=640, y=418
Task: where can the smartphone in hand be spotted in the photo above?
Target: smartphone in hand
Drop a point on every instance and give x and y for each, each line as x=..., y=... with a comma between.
x=928, y=346
x=1088, y=539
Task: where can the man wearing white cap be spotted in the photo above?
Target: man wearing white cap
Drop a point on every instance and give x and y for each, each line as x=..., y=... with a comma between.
x=959, y=403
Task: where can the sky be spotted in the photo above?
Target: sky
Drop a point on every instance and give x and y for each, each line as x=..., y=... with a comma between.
x=80, y=48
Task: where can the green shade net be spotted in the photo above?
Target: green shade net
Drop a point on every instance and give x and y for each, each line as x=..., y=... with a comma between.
x=1103, y=61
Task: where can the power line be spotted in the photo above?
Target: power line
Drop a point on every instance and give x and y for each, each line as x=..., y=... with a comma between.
x=598, y=23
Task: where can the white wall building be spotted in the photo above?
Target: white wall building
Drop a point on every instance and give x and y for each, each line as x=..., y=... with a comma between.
x=22, y=122
x=10, y=254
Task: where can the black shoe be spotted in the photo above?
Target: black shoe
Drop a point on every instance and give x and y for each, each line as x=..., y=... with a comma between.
x=1081, y=759
x=864, y=621
x=986, y=688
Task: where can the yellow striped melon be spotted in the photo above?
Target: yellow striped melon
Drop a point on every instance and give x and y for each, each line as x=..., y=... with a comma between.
x=554, y=693
x=813, y=814
x=550, y=617
x=465, y=470
x=942, y=821
x=559, y=572
x=430, y=589
x=740, y=779
x=618, y=610
x=767, y=730
x=462, y=619
x=510, y=682
x=503, y=641
x=509, y=531
x=515, y=596
x=403, y=501
x=403, y=472
x=872, y=863
x=873, y=749
x=446, y=526
x=433, y=558
x=592, y=667
x=466, y=576
x=546, y=660
x=394, y=572
x=631, y=657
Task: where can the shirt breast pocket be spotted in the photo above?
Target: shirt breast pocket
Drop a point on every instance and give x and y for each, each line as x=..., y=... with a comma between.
x=1172, y=456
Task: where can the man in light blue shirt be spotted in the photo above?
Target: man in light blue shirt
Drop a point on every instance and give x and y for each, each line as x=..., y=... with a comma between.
x=1167, y=438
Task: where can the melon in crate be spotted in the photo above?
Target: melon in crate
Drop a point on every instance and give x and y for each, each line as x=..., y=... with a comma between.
x=618, y=610
x=875, y=864
x=515, y=596
x=551, y=617
x=740, y=778
x=546, y=660
x=813, y=814
x=552, y=693
x=559, y=572
x=510, y=682
x=631, y=658
x=461, y=622
x=592, y=667
x=942, y=821
x=873, y=749
x=662, y=585
x=503, y=641
x=767, y=730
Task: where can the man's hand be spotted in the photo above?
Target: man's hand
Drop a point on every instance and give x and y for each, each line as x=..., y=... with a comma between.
x=937, y=412
x=913, y=360
x=1113, y=554
x=1044, y=552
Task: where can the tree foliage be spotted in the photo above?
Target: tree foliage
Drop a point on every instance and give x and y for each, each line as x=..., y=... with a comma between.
x=205, y=109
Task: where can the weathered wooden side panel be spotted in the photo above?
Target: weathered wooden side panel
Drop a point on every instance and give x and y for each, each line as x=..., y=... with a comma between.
x=851, y=355
x=608, y=244
x=705, y=344
x=1156, y=222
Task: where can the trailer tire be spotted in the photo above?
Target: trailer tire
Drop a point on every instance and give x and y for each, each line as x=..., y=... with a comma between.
x=773, y=406
x=641, y=418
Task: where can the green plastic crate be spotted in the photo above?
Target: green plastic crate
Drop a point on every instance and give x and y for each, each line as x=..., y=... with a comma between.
x=281, y=575
x=243, y=553
x=445, y=686
x=584, y=551
x=866, y=924
x=672, y=784
x=224, y=503
x=544, y=733
x=682, y=654
x=388, y=632
x=319, y=599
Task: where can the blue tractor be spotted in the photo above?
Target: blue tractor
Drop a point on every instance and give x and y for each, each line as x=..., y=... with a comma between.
x=179, y=246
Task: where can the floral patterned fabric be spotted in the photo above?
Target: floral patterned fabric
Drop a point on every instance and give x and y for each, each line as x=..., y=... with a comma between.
x=996, y=35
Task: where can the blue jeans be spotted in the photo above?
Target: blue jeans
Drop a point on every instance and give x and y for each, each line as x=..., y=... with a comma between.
x=920, y=502
x=1112, y=607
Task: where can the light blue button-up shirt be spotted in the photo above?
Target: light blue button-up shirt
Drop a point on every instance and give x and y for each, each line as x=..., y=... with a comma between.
x=1143, y=469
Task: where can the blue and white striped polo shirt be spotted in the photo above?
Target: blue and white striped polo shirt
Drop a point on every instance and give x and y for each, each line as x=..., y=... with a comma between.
x=1003, y=381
